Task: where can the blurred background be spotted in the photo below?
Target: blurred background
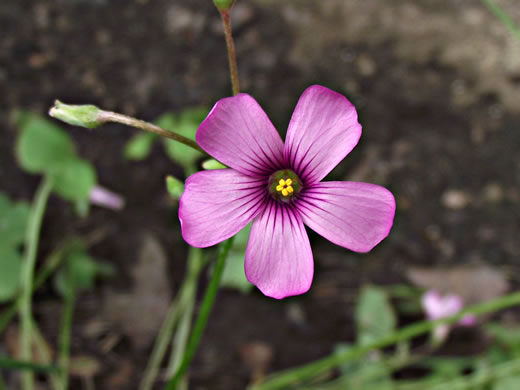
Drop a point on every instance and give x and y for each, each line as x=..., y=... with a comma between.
x=437, y=87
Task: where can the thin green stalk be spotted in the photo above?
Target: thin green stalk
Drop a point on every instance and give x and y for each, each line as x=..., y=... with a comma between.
x=180, y=341
x=300, y=374
x=31, y=249
x=480, y=377
x=107, y=116
x=49, y=266
x=183, y=332
x=232, y=59
x=43, y=351
x=65, y=334
x=503, y=17
x=12, y=364
x=187, y=290
x=202, y=319
x=89, y=116
x=2, y=383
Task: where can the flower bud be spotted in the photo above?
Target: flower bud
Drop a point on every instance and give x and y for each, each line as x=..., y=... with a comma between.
x=224, y=5
x=212, y=164
x=175, y=187
x=78, y=115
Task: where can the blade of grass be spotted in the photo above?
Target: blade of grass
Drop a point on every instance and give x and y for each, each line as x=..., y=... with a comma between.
x=504, y=18
x=12, y=364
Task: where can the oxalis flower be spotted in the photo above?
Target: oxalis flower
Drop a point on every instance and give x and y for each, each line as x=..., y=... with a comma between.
x=279, y=188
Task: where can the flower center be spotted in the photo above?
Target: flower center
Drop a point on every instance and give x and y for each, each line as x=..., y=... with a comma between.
x=284, y=185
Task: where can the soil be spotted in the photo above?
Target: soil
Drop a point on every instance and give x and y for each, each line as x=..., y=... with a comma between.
x=436, y=87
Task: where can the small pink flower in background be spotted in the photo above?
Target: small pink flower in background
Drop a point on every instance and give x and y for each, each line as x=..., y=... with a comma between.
x=279, y=188
x=103, y=197
x=437, y=306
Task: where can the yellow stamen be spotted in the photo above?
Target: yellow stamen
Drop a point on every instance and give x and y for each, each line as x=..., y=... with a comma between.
x=284, y=186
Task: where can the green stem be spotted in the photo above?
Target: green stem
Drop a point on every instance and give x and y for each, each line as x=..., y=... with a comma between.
x=64, y=336
x=44, y=352
x=187, y=290
x=305, y=372
x=12, y=364
x=503, y=17
x=232, y=59
x=180, y=341
x=202, y=319
x=31, y=249
x=50, y=265
x=480, y=377
x=107, y=116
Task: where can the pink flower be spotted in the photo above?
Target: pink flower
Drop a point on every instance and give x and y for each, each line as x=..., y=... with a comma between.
x=279, y=188
x=103, y=197
x=437, y=307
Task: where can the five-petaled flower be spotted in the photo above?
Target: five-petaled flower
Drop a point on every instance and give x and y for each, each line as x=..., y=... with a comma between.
x=279, y=188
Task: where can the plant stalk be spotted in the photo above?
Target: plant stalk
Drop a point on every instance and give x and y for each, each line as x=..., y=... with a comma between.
x=31, y=250
x=232, y=59
x=202, y=319
x=108, y=116
x=300, y=374
x=503, y=17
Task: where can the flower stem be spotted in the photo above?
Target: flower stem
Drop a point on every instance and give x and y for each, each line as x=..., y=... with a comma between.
x=31, y=249
x=186, y=293
x=64, y=337
x=195, y=259
x=503, y=17
x=305, y=372
x=202, y=319
x=232, y=59
x=108, y=116
x=11, y=364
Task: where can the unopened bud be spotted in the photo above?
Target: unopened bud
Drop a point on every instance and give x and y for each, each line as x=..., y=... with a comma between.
x=175, y=187
x=224, y=5
x=85, y=115
x=212, y=164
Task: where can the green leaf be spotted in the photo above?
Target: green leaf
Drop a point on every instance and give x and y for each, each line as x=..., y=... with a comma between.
x=10, y=269
x=42, y=146
x=375, y=316
x=185, y=124
x=510, y=383
x=139, y=146
x=174, y=186
x=234, y=275
x=74, y=180
x=13, y=221
x=80, y=272
x=367, y=371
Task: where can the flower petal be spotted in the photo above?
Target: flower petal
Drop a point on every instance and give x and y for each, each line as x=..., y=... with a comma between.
x=238, y=133
x=217, y=204
x=323, y=130
x=278, y=256
x=354, y=215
